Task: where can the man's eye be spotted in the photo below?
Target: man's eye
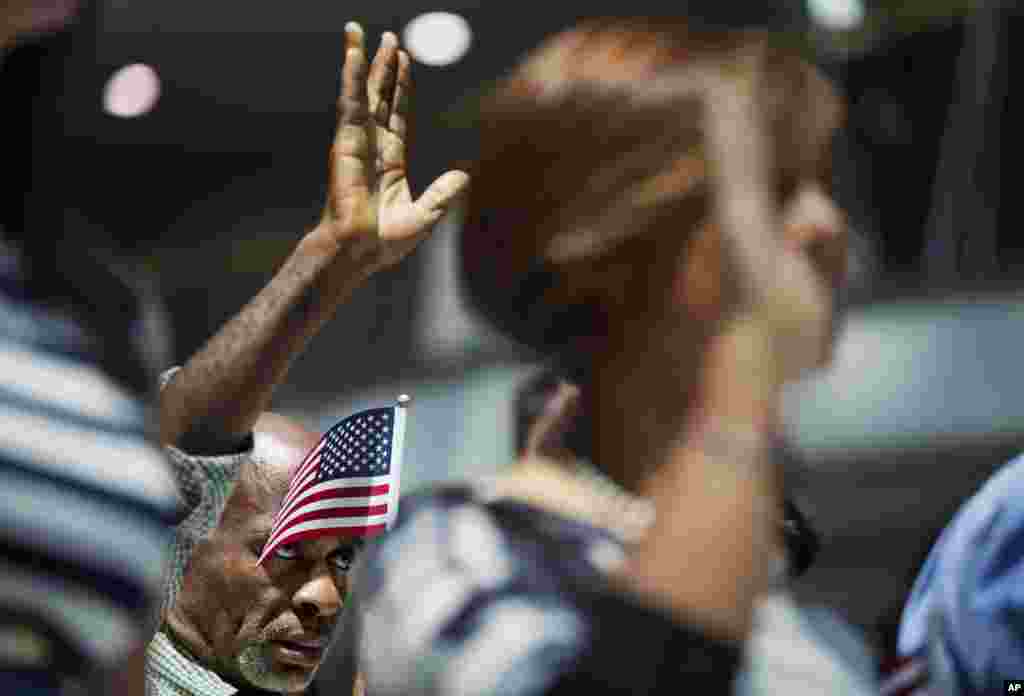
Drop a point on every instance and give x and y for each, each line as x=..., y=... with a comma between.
x=343, y=560
x=287, y=551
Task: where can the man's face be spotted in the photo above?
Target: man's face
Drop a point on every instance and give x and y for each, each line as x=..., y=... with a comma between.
x=284, y=632
x=267, y=625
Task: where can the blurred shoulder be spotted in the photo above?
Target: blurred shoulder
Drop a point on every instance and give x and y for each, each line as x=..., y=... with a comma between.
x=477, y=526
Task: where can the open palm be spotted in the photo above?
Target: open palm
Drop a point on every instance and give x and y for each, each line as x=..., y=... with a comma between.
x=777, y=287
x=369, y=196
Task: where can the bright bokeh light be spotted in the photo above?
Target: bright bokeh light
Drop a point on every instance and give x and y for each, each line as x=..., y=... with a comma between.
x=131, y=91
x=838, y=15
x=437, y=38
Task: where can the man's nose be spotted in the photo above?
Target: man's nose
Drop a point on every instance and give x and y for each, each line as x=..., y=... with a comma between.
x=318, y=596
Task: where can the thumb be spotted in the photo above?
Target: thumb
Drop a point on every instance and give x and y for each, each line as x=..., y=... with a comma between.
x=547, y=436
x=445, y=189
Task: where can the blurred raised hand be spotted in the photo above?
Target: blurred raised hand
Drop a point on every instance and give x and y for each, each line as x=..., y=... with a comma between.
x=779, y=296
x=547, y=436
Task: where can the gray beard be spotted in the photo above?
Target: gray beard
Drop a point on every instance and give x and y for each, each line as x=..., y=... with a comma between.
x=254, y=664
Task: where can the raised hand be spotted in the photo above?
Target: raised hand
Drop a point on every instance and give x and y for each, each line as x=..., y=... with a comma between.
x=369, y=199
x=546, y=437
x=778, y=291
x=369, y=221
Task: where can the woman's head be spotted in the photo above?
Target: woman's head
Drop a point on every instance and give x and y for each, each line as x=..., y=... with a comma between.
x=589, y=215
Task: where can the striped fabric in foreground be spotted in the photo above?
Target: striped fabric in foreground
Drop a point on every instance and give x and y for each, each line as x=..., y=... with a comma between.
x=348, y=484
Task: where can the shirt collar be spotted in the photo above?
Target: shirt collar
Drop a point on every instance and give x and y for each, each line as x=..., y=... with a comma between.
x=168, y=663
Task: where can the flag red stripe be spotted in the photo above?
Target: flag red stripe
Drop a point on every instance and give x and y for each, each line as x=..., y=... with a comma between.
x=331, y=513
x=351, y=492
x=305, y=471
x=343, y=532
x=297, y=488
x=297, y=532
x=304, y=466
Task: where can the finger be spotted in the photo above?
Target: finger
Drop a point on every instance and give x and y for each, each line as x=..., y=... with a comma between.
x=355, y=37
x=381, y=84
x=352, y=101
x=547, y=436
x=745, y=205
x=399, y=121
x=446, y=188
x=779, y=286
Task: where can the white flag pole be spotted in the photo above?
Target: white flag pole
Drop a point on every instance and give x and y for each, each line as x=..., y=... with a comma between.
x=397, y=452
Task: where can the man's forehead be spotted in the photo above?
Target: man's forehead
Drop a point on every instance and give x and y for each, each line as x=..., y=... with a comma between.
x=281, y=444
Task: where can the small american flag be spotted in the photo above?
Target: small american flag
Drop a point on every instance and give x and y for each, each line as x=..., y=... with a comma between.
x=348, y=484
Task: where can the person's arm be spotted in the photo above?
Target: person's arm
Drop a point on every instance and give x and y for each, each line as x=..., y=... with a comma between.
x=370, y=221
x=718, y=501
x=214, y=400
x=718, y=496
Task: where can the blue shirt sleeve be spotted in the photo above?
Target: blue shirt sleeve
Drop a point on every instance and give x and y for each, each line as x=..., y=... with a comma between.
x=967, y=605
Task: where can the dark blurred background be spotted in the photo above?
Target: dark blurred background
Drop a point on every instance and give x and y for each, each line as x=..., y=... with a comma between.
x=231, y=157
x=219, y=177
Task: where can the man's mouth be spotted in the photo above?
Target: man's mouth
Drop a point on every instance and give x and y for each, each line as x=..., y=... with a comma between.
x=303, y=652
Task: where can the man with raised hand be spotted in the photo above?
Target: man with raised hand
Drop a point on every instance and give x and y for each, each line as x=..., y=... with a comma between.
x=231, y=625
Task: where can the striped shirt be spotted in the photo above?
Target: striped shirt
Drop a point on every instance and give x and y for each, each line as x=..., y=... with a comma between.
x=206, y=483
x=85, y=500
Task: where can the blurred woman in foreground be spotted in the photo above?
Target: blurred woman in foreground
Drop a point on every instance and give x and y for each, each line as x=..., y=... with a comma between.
x=651, y=206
